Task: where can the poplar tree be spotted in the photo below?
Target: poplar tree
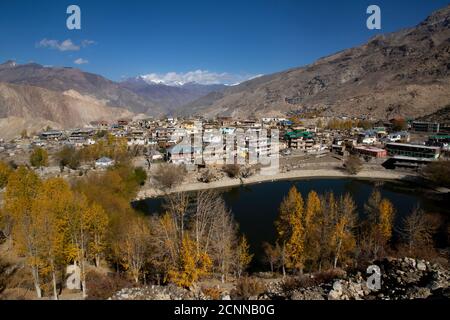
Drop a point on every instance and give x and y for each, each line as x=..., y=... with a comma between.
x=243, y=256
x=377, y=229
x=386, y=219
x=135, y=244
x=312, y=222
x=52, y=206
x=97, y=221
x=23, y=186
x=291, y=231
x=343, y=238
x=191, y=266
x=325, y=222
x=82, y=232
x=5, y=172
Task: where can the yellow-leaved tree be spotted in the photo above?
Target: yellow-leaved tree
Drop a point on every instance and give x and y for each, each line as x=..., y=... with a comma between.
x=312, y=223
x=243, y=256
x=135, y=245
x=386, y=220
x=343, y=239
x=377, y=228
x=290, y=231
x=191, y=265
x=52, y=207
x=87, y=227
x=5, y=172
x=97, y=222
x=23, y=186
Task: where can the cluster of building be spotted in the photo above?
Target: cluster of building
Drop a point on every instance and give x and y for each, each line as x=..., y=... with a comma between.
x=183, y=141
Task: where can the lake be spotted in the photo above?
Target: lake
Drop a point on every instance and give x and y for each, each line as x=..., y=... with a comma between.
x=255, y=207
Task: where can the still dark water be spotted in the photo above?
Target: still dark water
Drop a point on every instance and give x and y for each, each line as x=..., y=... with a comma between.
x=255, y=207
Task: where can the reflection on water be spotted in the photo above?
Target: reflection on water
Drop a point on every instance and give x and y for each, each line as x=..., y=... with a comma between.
x=255, y=207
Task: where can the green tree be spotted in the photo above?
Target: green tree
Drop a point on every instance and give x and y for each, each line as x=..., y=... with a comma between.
x=68, y=157
x=39, y=158
x=140, y=176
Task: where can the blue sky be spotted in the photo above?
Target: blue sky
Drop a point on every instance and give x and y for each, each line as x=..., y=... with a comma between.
x=229, y=40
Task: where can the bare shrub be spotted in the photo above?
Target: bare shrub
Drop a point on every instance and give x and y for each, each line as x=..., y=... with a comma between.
x=206, y=176
x=293, y=283
x=315, y=279
x=168, y=175
x=102, y=287
x=328, y=276
x=417, y=233
x=248, y=287
x=4, y=277
x=353, y=165
x=248, y=171
x=232, y=170
x=438, y=172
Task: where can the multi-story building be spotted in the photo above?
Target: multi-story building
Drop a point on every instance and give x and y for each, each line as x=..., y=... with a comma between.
x=420, y=126
x=413, y=151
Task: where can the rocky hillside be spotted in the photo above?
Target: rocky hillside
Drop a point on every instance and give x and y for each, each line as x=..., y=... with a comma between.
x=442, y=115
x=401, y=279
x=405, y=73
x=88, y=84
x=33, y=108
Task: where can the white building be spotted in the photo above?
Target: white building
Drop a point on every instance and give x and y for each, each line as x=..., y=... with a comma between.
x=104, y=162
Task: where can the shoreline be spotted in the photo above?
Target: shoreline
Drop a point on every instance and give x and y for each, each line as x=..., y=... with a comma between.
x=291, y=175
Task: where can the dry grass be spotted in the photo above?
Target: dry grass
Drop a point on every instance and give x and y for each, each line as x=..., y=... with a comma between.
x=248, y=287
x=102, y=287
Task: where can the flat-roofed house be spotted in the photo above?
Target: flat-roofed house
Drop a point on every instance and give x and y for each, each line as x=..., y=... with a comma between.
x=51, y=135
x=371, y=152
x=413, y=151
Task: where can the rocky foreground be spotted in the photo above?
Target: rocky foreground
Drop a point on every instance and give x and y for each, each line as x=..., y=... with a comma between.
x=401, y=279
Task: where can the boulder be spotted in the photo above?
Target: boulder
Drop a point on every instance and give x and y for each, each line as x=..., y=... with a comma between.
x=421, y=266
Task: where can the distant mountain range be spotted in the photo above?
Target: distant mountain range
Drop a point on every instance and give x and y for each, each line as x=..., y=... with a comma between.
x=172, y=98
x=406, y=73
x=33, y=96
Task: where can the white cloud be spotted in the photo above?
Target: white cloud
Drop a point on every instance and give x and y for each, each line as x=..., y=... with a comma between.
x=198, y=76
x=66, y=45
x=81, y=61
x=87, y=43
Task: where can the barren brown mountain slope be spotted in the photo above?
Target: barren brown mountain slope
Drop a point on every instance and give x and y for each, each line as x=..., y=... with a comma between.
x=404, y=73
x=28, y=107
x=64, y=79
